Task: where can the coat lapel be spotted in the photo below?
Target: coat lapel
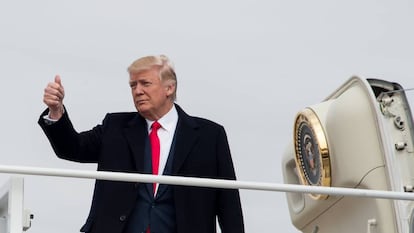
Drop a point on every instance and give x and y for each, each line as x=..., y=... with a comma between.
x=136, y=135
x=186, y=137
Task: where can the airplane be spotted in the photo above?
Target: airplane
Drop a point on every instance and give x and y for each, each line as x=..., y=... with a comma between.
x=361, y=137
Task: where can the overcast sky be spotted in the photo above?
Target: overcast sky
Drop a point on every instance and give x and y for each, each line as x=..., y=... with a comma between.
x=248, y=65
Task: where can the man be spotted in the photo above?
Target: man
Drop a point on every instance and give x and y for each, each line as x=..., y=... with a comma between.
x=181, y=145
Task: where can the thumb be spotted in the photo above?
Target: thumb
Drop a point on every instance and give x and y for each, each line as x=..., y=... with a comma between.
x=58, y=80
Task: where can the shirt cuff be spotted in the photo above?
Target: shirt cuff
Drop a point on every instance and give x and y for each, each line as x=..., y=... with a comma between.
x=50, y=121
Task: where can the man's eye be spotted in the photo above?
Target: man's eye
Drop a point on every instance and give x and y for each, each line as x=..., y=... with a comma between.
x=132, y=85
x=147, y=84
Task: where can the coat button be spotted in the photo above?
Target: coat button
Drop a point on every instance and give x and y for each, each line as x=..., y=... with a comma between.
x=122, y=218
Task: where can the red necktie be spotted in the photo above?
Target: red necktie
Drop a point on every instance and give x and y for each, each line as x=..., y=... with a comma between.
x=155, y=152
x=155, y=149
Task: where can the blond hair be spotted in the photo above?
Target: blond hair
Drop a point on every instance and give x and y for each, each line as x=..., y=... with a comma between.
x=160, y=62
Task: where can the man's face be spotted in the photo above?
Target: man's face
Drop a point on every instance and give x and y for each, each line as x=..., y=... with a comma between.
x=150, y=95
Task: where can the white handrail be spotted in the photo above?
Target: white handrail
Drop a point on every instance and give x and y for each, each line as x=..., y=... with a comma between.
x=205, y=182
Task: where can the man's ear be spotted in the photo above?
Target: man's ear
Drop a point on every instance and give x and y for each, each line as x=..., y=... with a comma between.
x=170, y=87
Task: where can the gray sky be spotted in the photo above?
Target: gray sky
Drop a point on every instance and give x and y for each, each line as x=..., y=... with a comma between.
x=249, y=65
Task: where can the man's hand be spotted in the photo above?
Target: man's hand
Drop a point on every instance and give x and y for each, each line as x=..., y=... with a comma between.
x=53, y=98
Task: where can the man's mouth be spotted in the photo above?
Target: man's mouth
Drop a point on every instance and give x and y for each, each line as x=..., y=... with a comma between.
x=141, y=101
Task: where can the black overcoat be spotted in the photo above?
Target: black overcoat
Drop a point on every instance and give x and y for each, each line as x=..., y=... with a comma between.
x=201, y=150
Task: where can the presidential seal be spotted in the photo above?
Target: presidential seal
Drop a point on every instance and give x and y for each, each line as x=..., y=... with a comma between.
x=311, y=151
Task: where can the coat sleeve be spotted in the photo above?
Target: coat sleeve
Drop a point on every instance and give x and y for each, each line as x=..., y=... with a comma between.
x=68, y=144
x=230, y=216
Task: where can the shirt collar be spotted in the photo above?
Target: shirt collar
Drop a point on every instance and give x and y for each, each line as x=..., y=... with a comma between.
x=167, y=122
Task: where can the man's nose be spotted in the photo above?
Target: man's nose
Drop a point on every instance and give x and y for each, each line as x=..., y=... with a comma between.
x=138, y=90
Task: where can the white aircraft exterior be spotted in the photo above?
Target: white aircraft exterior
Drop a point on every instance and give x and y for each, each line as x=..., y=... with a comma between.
x=360, y=136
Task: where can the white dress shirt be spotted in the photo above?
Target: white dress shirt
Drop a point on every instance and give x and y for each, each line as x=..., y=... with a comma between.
x=166, y=134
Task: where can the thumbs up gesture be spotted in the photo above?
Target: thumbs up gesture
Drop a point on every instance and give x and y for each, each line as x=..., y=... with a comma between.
x=53, y=98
